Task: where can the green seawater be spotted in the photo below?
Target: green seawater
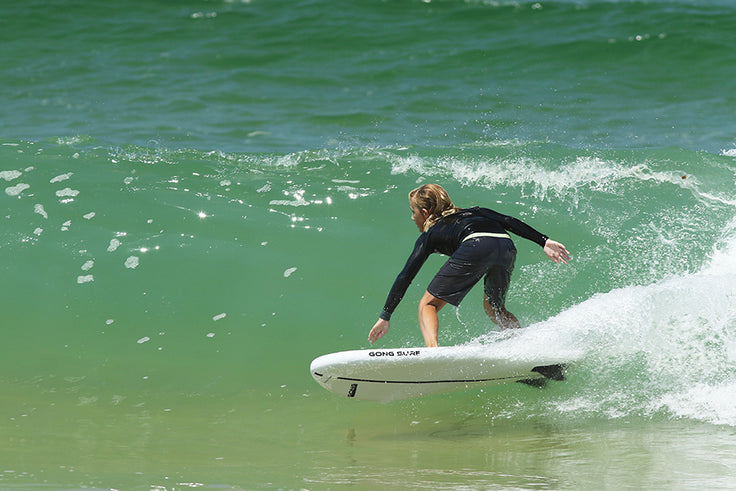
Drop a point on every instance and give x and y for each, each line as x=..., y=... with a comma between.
x=200, y=197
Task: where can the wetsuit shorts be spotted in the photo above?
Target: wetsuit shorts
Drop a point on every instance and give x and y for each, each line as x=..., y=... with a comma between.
x=493, y=257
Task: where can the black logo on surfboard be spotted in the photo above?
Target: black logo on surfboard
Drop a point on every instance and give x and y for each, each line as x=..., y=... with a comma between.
x=395, y=353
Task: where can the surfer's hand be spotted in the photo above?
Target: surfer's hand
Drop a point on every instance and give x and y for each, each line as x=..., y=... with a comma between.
x=556, y=251
x=378, y=330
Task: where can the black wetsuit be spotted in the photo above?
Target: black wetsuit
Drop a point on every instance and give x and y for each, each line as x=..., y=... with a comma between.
x=492, y=256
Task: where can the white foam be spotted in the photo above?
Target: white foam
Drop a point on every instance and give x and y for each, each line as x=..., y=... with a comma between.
x=563, y=180
x=10, y=175
x=62, y=177
x=714, y=403
x=204, y=15
x=114, y=244
x=668, y=346
x=69, y=140
x=67, y=192
x=17, y=189
x=38, y=208
x=299, y=201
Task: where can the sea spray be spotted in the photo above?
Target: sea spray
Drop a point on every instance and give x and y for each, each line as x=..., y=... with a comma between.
x=667, y=348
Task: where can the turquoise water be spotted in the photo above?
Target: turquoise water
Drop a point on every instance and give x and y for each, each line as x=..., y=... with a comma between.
x=198, y=198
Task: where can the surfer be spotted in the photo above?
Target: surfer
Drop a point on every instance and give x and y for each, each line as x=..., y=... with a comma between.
x=478, y=244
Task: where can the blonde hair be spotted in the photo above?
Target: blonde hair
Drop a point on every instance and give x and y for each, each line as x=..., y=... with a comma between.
x=434, y=199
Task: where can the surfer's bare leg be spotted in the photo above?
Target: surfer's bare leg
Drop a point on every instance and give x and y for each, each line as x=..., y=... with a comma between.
x=500, y=316
x=429, y=322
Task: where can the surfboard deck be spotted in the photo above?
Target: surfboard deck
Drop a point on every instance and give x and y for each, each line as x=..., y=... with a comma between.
x=386, y=375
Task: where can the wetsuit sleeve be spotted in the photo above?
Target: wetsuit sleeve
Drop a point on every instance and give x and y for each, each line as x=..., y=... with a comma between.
x=516, y=226
x=417, y=258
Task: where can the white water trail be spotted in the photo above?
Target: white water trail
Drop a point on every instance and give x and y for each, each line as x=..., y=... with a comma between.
x=664, y=348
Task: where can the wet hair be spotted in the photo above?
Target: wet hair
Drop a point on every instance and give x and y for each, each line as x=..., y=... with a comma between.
x=434, y=199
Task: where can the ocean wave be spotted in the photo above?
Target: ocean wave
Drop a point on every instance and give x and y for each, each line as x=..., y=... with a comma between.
x=664, y=348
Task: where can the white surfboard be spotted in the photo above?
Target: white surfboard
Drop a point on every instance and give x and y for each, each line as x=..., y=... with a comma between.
x=386, y=375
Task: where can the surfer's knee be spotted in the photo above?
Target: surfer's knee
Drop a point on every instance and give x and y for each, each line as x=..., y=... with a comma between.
x=429, y=300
